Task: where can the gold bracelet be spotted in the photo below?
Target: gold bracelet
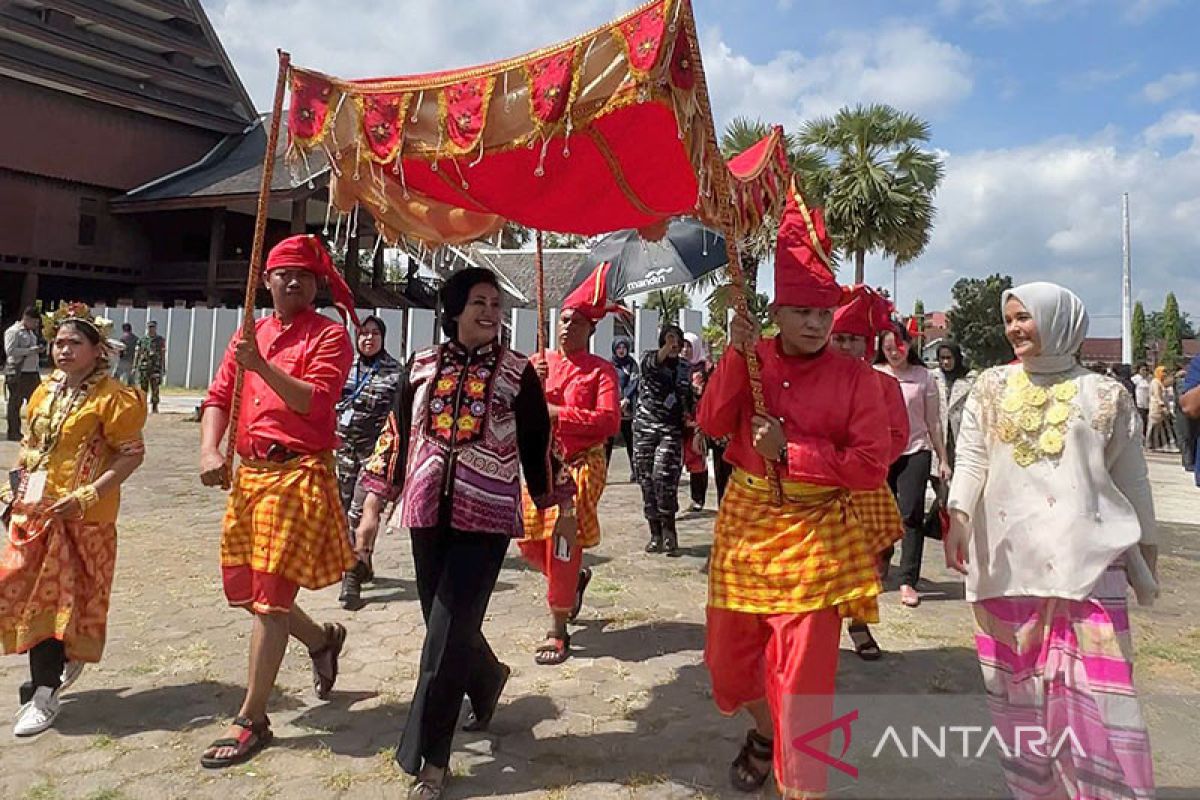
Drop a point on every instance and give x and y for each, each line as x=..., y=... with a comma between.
x=86, y=496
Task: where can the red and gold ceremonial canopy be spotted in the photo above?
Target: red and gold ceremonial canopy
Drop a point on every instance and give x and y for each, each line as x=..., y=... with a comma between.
x=610, y=130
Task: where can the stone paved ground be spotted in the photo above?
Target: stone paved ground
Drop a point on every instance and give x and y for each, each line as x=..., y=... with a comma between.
x=628, y=717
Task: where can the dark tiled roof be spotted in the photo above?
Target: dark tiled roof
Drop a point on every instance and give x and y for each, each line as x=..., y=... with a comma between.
x=519, y=266
x=1108, y=348
x=234, y=167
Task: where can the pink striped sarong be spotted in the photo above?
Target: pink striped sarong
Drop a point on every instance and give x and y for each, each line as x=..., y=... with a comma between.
x=1065, y=667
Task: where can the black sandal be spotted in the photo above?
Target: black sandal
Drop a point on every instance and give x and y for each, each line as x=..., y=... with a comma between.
x=253, y=738
x=864, y=643
x=554, y=650
x=585, y=577
x=744, y=775
x=477, y=722
x=325, y=660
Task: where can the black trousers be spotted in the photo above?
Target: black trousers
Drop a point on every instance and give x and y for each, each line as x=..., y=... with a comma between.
x=456, y=573
x=46, y=661
x=627, y=438
x=1186, y=430
x=699, y=487
x=908, y=478
x=20, y=387
x=658, y=455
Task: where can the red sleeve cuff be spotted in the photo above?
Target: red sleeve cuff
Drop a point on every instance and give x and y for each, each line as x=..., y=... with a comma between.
x=378, y=486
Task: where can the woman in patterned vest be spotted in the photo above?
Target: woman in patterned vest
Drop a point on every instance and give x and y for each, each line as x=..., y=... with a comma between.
x=469, y=418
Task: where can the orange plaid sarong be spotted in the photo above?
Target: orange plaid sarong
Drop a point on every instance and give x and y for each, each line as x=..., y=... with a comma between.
x=286, y=520
x=808, y=554
x=877, y=512
x=55, y=582
x=589, y=468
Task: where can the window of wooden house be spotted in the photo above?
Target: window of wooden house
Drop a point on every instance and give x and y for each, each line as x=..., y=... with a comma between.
x=89, y=220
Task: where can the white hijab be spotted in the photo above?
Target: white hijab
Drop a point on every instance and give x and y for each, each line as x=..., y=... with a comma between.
x=1061, y=320
x=698, y=350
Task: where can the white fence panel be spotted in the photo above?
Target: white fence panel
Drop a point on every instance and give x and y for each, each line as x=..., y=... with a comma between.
x=602, y=338
x=178, y=333
x=645, y=331
x=199, y=367
x=421, y=333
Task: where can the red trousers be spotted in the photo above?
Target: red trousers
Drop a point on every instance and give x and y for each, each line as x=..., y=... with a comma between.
x=791, y=661
x=562, y=577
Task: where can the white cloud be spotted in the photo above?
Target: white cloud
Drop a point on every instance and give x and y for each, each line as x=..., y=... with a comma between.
x=1005, y=12
x=1096, y=78
x=1052, y=211
x=904, y=65
x=1169, y=85
x=362, y=39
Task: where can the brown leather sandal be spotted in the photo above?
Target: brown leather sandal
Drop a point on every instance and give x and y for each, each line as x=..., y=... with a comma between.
x=325, y=660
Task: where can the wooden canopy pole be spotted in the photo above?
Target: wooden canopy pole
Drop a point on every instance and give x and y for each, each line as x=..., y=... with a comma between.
x=723, y=190
x=541, y=294
x=256, y=252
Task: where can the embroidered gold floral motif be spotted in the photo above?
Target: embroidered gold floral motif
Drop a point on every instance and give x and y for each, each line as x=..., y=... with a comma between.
x=1034, y=419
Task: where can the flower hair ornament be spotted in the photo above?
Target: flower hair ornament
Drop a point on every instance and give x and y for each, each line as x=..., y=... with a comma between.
x=75, y=312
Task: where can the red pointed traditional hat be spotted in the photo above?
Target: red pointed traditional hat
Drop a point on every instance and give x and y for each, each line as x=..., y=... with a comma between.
x=590, y=298
x=803, y=261
x=308, y=252
x=864, y=313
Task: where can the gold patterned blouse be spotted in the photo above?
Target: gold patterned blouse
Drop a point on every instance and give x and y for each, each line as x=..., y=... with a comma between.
x=75, y=434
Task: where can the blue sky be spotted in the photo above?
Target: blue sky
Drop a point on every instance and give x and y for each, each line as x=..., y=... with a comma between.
x=1044, y=110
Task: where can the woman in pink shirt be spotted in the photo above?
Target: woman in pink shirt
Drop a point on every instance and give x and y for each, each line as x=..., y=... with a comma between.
x=909, y=474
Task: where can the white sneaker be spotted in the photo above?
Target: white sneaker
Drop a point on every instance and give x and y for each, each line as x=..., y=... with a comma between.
x=38, y=714
x=71, y=672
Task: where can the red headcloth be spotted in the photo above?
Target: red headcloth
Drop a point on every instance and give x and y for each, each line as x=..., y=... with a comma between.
x=307, y=252
x=590, y=298
x=803, y=261
x=865, y=314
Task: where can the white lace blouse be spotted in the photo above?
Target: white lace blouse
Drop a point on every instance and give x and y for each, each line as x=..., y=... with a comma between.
x=1051, y=472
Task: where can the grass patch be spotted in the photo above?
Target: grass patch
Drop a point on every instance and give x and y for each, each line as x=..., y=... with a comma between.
x=605, y=586
x=107, y=794
x=640, y=780
x=339, y=781
x=43, y=790
x=102, y=741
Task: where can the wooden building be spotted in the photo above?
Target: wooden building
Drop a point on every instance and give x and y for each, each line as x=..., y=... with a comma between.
x=130, y=160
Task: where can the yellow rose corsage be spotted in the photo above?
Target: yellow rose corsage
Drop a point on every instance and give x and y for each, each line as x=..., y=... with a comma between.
x=1066, y=392
x=1011, y=402
x=1024, y=454
x=1019, y=379
x=1050, y=442
x=1034, y=396
x=1031, y=420
x=1058, y=413
x=1007, y=430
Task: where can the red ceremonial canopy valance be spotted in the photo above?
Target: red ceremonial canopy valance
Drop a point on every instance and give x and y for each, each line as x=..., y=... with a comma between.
x=608, y=131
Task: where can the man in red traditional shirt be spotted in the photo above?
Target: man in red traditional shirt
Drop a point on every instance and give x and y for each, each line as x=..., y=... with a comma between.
x=855, y=327
x=584, y=398
x=284, y=527
x=784, y=572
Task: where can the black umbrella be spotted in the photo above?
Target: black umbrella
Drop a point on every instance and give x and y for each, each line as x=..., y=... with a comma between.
x=688, y=251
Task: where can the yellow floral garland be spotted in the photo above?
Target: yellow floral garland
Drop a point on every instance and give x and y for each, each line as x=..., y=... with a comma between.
x=1034, y=419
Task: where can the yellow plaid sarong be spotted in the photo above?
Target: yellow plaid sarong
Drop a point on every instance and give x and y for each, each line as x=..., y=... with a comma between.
x=286, y=519
x=589, y=468
x=877, y=512
x=808, y=554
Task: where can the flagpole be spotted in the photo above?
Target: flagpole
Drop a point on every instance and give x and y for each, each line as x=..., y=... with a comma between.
x=541, y=294
x=1126, y=285
x=256, y=250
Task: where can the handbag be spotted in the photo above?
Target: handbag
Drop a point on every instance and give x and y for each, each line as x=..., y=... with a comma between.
x=937, y=518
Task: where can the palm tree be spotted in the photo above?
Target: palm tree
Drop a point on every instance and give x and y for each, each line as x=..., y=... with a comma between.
x=880, y=186
x=669, y=302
